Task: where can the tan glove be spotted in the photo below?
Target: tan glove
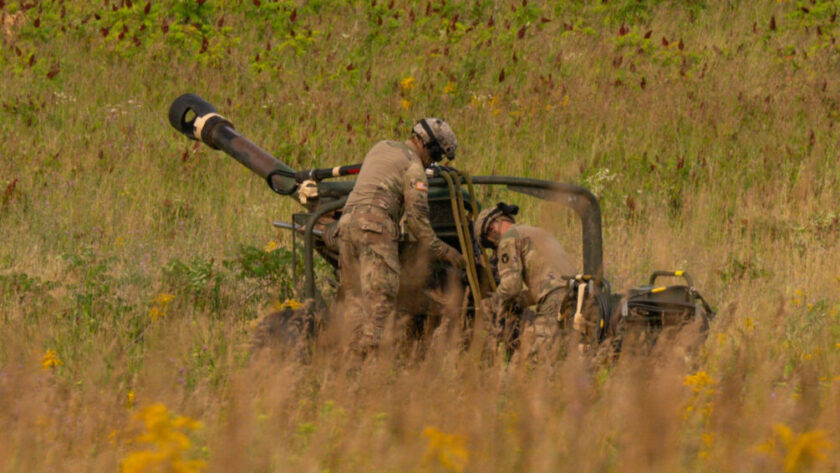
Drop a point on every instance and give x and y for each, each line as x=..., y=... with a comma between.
x=308, y=191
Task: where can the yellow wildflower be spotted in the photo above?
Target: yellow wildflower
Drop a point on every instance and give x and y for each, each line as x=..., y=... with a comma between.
x=270, y=246
x=292, y=304
x=449, y=88
x=447, y=450
x=798, y=295
x=565, y=101
x=708, y=439
x=407, y=83
x=161, y=301
x=168, y=441
x=796, y=452
x=702, y=385
x=50, y=360
x=164, y=298
x=699, y=382
x=129, y=399
x=405, y=104
x=155, y=313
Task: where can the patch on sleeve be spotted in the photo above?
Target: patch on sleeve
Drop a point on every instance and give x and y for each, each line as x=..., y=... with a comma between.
x=420, y=186
x=505, y=258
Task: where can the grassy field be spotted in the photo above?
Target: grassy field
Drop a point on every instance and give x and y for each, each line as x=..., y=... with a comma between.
x=133, y=262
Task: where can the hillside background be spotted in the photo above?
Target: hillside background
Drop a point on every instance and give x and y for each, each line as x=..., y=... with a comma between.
x=134, y=262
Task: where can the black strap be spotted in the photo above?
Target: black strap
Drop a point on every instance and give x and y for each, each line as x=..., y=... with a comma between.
x=280, y=172
x=434, y=147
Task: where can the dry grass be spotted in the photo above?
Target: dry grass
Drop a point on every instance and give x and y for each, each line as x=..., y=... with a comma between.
x=715, y=153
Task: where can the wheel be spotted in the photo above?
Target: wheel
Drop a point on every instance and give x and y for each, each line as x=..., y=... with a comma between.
x=287, y=329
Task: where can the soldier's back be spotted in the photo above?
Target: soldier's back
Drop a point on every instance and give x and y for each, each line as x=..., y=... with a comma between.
x=544, y=259
x=380, y=180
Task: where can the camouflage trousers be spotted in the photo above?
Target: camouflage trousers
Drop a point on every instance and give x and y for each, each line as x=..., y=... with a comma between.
x=537, y=332
x=542, y=334
x=369, y=273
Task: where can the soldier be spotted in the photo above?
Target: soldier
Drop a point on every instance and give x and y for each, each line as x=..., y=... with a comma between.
x=391, y=186
x=530, y=257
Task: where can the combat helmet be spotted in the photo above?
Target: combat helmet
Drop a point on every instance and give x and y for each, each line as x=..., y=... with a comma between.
x=488, y=216
x=437, y=136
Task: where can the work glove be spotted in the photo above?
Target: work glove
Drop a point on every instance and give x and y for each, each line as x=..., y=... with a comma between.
x=307, y=191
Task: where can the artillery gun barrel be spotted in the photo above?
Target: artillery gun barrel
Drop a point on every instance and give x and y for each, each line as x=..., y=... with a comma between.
x=198, y=120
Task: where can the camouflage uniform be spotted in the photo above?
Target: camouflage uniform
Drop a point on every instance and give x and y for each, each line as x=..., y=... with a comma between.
x=391, y=185
x=532, y=257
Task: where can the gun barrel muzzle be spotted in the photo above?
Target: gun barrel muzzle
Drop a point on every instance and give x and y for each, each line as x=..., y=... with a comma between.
x=198, y=120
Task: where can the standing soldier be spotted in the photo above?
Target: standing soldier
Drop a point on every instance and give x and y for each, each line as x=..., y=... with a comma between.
x=528, y=256
x=391, y=186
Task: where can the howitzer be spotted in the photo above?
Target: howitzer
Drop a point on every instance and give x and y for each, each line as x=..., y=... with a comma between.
x=323, y=201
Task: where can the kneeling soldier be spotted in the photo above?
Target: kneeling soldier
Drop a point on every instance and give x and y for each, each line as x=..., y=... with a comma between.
x=530, y=257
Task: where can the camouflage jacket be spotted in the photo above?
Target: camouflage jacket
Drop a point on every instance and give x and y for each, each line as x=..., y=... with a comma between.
x=532, y=257
x=393, y=179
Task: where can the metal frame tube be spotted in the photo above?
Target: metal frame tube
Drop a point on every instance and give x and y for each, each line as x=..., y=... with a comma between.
x=309, y=244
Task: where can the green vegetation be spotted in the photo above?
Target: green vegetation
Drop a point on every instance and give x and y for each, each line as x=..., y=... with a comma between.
x=132, y=262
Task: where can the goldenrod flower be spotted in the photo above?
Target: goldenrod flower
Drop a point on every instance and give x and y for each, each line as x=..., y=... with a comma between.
x=288, y=304
x=155, y=313
x=168, y=441
x=708, y=439
x=702, y=385
x=161, y=301
x=405, y=104
x=796, y=452
x=699, y=381
x=798, y=296
x=164, y=298
x=270, y=246
x=50, y=360
x=449, y=88
x=447, y=450
x=407, y=83
x=129, y=399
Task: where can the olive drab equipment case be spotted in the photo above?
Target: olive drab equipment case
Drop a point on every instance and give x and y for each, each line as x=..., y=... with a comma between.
x=598, y=315
x=654, y=307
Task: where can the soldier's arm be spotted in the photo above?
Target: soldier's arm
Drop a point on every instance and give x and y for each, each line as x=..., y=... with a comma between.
x=416, y=192
x=510, y=270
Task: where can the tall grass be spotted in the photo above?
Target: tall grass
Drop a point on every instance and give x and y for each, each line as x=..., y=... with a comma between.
x=130, y=274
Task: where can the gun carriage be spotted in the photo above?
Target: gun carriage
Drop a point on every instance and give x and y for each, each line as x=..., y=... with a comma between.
x=452, y=204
